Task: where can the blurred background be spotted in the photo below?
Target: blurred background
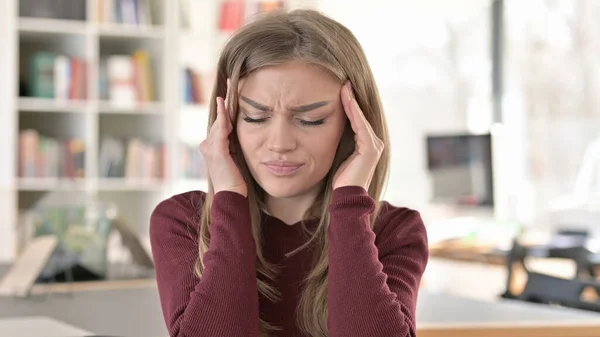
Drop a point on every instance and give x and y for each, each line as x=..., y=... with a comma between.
x=493, y=113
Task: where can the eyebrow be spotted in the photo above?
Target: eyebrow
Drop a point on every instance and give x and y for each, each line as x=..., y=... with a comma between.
x=299, y=109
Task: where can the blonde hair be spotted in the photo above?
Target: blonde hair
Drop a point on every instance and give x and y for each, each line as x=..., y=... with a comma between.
x=312, y=37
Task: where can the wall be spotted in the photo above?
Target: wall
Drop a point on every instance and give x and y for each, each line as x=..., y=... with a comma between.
x=418, y=100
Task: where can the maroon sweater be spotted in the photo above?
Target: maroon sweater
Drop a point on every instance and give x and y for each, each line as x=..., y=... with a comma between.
x=374, y=274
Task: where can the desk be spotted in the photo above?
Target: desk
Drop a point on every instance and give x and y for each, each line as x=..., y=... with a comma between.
x=136, y=312
x=440, y=315
x=38, y=326
x=462, y=253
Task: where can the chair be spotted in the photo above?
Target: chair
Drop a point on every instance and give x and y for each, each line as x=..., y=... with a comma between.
x=26, y=269
x=541, y=288
x=549, y=289
x=81, y=226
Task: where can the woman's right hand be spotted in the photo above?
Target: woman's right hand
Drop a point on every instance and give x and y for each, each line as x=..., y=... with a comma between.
x=222, y=170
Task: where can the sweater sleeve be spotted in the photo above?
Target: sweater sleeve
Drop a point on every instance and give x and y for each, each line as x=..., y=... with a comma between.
x=373, y=282
x=224, y=302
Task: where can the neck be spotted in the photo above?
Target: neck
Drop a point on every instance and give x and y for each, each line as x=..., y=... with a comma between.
x=293, y=209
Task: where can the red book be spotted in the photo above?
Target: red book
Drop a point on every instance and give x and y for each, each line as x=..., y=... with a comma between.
x=232, y=15
x=69, y=160
x=77, y=79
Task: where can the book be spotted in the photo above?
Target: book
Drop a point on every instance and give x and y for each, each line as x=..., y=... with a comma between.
x=62, y=78
x=56, y=76
x=47, y=157
x=129, y=79
x=191, y=163
x=194, y=87
x=121, y=80
x=232, y=15
x=144, y=83
x=41, y=75
x=132, y=158
x=128, y=12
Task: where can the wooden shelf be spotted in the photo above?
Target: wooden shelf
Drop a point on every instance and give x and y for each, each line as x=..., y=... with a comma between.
x=143, y=108
x=191, y=181
x=195, y=108
x=52, y=26
x=130, y=31
x=186, y=184
x=130, y=184
x=31, y=104
x=50, y=184
x=190, y=35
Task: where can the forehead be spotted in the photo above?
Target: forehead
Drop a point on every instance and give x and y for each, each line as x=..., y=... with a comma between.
x=296, y=80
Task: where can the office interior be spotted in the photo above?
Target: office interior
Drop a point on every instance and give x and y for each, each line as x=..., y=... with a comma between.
x=494, y=121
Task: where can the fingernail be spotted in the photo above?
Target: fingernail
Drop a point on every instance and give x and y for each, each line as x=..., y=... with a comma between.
x=349, y=90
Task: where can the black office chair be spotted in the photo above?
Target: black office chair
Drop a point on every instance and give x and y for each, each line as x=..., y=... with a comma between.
x=542, y=288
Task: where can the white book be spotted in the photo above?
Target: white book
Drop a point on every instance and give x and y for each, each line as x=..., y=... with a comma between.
x=62, y=77
x=121, y=81
x=112, y=155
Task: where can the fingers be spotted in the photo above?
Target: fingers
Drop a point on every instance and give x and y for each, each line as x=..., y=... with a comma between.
x=363, y=131
x=346, y=102
x=358, y=122
x=227, y=101
x=223, y=121
x=227, y=93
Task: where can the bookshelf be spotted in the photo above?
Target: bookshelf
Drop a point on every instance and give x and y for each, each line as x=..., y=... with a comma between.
x=166, y=121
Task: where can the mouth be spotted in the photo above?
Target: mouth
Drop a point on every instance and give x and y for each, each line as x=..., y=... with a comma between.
x=281, y=169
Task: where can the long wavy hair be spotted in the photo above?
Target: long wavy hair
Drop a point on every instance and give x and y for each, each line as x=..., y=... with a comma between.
x=273, y=39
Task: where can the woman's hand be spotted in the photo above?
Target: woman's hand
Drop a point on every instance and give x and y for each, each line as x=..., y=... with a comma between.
x=222, y=170
x=358, y=169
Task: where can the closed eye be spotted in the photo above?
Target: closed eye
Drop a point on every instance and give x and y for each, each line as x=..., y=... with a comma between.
x=302, y=122
x=254, y=120
x=312, y=123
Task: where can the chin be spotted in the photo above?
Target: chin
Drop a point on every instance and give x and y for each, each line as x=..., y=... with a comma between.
x=284, y=189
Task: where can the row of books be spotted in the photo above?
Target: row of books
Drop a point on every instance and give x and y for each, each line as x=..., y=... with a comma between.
x=193, y=87
x=191, y=163
x=235, y=13
x=127, y=79
x=130, y=12
x=56, y=76
x=131, y=158
x=229, y=16
x=124, y=79
x=46, y=157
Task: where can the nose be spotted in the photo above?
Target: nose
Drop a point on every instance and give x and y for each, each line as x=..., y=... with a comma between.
x=281, y=138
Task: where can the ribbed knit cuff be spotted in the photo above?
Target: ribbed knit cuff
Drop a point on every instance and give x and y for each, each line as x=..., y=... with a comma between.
x=351, y=201
x=229, y=199
x=232, y=210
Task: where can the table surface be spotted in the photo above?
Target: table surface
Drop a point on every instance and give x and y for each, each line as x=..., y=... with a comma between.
x=38, y=326
x=136, y=312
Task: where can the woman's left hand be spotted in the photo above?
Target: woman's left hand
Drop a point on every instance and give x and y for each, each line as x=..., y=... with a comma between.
x=358, y=169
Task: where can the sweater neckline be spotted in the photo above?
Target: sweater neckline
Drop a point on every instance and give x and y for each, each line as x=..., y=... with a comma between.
x=279, y=226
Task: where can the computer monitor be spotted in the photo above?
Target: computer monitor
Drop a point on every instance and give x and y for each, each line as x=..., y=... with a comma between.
x=460, y=168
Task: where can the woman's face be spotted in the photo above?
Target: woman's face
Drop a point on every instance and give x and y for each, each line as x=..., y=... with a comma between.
x=290, y=122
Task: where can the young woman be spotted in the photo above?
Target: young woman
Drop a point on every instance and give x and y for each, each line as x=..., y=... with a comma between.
x=291, y=238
